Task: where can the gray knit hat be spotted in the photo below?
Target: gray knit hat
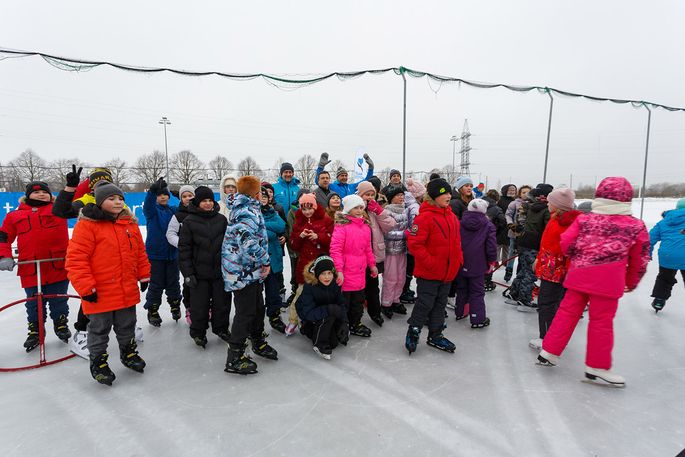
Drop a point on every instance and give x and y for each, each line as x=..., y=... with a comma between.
x=104, y=190
x=186, y=188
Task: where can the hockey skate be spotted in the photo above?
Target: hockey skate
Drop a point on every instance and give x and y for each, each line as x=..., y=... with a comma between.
x=225, y=335
x=130, y=358
x=31, y=342
x=360, y=329
x=153, y=316
x=62, y=328
x=237, y=362
x=596, y=375
x=78, y=344
x=411, y=341
x=100, y=371
x=378, y=320
x=440, y=342
x=200, y=341
x=408, y=297
x=387, y=311
x=658, y=304
x=175, y=307
x=277, y=323
x=399, y=308
x=490, y=286
x=507, y=275
x=261, y=348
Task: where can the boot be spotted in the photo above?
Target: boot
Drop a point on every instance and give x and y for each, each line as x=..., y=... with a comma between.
x=130, y=358
x=175, y=307
x=594, y=374
x=277, y=323
x=658, y=304
x=100, y=371
x=437, y=340
x=261, y=348
x=387, y=311
x=360, y=329
x=237, y=362
x=412, y=339
x=31, y=342
x=399, y=308
x=62, y=328
x=153, y=316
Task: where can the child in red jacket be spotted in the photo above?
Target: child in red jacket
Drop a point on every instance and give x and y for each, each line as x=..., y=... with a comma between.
x=39, y=235
x=435, y=243
x=609, y=252
x=551, y=264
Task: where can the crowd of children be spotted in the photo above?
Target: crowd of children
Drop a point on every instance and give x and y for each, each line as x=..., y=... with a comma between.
x=341, y=239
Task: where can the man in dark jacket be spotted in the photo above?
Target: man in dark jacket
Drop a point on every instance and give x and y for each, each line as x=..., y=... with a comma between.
x=162, y=255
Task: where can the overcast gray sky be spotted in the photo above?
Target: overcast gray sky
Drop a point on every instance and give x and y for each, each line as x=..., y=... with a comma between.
x=622, y=49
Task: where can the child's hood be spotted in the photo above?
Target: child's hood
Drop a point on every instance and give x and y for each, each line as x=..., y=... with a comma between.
x=675, y=217
x=474, y=221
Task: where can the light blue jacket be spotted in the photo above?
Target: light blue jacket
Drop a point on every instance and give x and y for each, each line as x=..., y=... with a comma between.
x=285, y=193
x=670, y=231
x=275, y=227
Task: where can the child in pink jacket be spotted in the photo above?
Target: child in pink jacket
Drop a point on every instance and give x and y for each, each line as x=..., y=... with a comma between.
x=352, y=254
x=609, y=251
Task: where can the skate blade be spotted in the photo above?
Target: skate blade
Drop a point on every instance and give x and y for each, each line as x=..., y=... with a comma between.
x=451, y=351
x=599, y=381
x=243, y=373
x=511, y=301
x=544, y=362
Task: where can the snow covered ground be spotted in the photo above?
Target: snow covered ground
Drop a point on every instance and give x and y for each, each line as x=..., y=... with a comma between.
x=487, y=399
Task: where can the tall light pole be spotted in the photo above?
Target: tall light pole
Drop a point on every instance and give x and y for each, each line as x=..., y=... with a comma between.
x=454, y=140
x=164, y=121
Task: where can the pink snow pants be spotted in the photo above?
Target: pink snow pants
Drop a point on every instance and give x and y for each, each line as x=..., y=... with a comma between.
x=394, y=275
x=600, y=331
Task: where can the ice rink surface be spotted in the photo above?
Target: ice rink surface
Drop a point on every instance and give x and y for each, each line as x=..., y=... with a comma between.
x=371, y=399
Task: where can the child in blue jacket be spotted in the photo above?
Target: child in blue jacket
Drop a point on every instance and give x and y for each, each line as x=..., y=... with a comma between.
x=670, y=231
x=275, y=230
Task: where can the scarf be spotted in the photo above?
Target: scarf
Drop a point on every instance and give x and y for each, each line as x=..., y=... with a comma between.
x=611, y=207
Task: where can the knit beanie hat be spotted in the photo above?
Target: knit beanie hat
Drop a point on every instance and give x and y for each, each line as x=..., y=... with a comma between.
x=394, y=172
x=308, y=199
x=680, y=204
x=285, y=166
x=562, y=198
x=438, y=187
x=331, y=195
x=164, y=191
x=461, y=182
x=267, y=186
x=203, y=193
x=341, y=171
x=478, y=205
x=185, y=188
x=104, y=190
x=229, y=181
x=615, y=188
x=376, y=182
x=392, y=191
x=416, y=188
x=434, y=176
x=351, y=201
x=364, y=187
x=97, y=175
x=249, y=185
x=321, y=264
x=265, y=194
x=543, y=190
x=36, y=185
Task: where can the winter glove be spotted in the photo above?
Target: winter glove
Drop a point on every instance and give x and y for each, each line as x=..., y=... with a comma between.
x=335, y=311
x=93, y=298
x=74, y=176
x=368, y=161
x=324, y=160
x=7, y=264
x=143, y=286
x=374, y=207
x=343, y=334
x=191, y=281
x=159, y=185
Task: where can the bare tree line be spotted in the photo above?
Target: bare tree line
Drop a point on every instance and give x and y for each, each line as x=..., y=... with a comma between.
x=186, y=167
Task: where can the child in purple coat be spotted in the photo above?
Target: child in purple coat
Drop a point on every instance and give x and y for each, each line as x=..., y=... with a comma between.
x=479, y=244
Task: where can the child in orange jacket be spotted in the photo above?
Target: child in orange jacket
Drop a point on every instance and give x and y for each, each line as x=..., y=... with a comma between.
x=106, y=260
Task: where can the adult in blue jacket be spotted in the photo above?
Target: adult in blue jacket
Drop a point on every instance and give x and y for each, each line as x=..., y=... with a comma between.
x=670, y=232
x=340, y=185
x=287, y=186
x=163, y=256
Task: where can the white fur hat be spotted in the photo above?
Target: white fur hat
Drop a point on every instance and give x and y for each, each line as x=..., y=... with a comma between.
x=478, y=204
x=351, y=201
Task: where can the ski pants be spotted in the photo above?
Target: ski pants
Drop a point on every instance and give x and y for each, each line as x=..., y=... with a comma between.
x=355, y=306
x=209, y=294
x=429, y=309
x=665, y=281
x=124, y=323
x=58, y=306
x=272, y=292
x=324, y=333
x=471, y=290
x=394, y=277
x=164, y=275
x=522, y=287
x=410, y=273
x=600, y=332
x=249, y=315
x=551, y=294
x=372, y=292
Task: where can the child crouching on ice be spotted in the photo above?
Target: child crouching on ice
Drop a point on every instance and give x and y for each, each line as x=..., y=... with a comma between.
x=321, y=307
x=352, y=254
x=106, y=260
x=609, y=252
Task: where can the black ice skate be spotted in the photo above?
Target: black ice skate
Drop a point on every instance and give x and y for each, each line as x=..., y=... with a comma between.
x=440, y=342
x=399, y=308
x=200, y=341
x=507, y=275
x=277, y=323
x=408, y=297
x=261, y=348
x=658, y=304
x=237, y=362
x=490, y=286
x=387, y=311
x=175, y=307
x=360, y=329
x=31, y=342
x=378, y=320
x=61, y=325
x=130, y=358
x=153, y=316
x=224, y=335
x=412, y=339
x=100, y=371
x=483, y=324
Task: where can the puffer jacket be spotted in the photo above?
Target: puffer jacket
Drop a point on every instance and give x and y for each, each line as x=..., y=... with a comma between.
x=496, y=216
x=39, y=235
x=308, y=250
x=380, y=225
x=608, y=253
x=351, y=250
x=200, y=241
x=226, y=200
x=312, y=304
x=512, y=217
x=552, y=264
x=157, y=221
x=175, y=224
x=285, y=193
x=396, y=239
x=479, y=243
x=505, y=200
x=275, y=227
x=435, y=242
x=670, y=231
x=537, y=216
x=245, y=249
x=109, y=256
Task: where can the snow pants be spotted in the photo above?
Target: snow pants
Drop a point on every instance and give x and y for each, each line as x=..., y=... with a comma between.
x=665, y=281
x=471, y=290
x=164, y=275
x=249, y=314
x=394, y=277
x=58, y=306
x=272, y=292
x=429, y=309
x=600, y=332
x=549, y=299
x=372, y=292
x=209, y=294
x=522, y=287
x=409, y=274
x=100, y=324
x=355, y=306
x=323, y=333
